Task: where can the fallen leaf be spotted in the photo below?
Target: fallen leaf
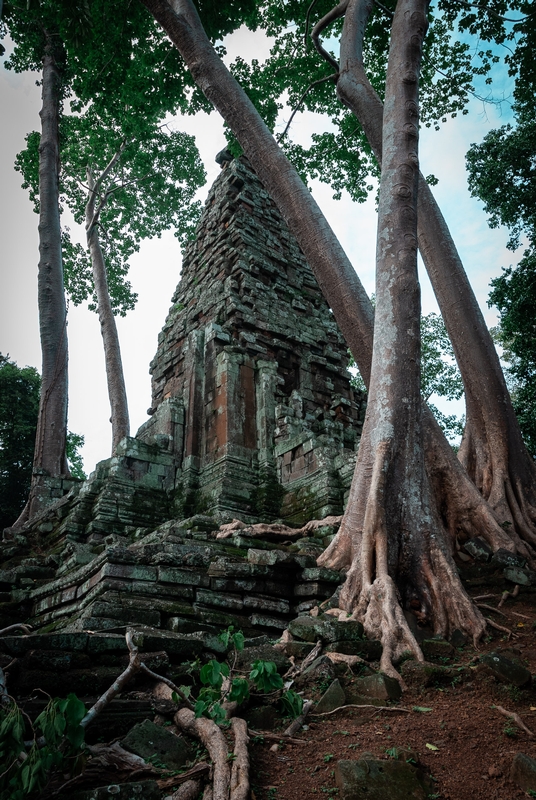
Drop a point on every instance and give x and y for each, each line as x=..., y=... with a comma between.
x=431, y=746
x=520, y=624
x=422, y=709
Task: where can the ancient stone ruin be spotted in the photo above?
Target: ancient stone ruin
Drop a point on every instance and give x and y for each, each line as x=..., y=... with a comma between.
x=251, y=395
x=253, y=418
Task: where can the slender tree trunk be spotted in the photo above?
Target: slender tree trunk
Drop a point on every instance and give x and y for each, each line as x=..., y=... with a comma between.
x=49, y=455
x=112, y=352
x=492, y=450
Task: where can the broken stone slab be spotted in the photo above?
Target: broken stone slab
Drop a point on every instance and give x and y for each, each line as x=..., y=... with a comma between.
x=148, y=740
x=321, y=669
x=333, y=698
x=504, y=558
x=374, y=779
x=437, y=648
x=18, y=645
x=326, y=628
x=520, y=575
x=523, y=772
x=478, y=549
x=187, y=645
x=264, y=652
x=141, y=790
x=269, y=558
x=320, y=574
x=506, y=670
x=378, y=686
x=369, y=649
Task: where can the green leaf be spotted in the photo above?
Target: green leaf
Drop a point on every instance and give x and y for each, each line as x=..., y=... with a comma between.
x=431, y=746
x=422, y=709
x=239, y=690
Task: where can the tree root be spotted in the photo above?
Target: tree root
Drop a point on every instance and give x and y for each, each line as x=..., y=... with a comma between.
x=208, y=732
x=240, y=766
x=498, y=627
x=276, y=737
x=515, y=718
x=134, y=667
x=491, y=608
x=19, y=626
x=377, y=708
x=505, y=595
x=189, y=790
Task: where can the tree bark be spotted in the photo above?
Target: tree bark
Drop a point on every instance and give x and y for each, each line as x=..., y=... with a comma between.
x=401, y=548
x=492, y=452
x=112, y=352
x=49, y=454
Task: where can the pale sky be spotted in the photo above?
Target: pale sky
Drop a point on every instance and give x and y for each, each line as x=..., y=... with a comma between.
x=155, y=270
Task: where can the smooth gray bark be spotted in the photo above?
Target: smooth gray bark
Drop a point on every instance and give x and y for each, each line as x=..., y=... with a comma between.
x=49, y=455
x=115, y=378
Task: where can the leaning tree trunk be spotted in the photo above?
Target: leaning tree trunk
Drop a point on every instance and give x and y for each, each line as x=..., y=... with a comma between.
x=402, y=548
x=492, y=451
x=49, y=454
x=461, y=505
x=112, y=352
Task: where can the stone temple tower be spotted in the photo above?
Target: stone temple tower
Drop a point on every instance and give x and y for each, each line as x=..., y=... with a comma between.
x=250, y=389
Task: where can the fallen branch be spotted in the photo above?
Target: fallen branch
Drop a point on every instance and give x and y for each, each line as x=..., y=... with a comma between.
x=134, y=666
x=208, y=732
x=484, y=597
x=295, y=726
x=240, y=765
x=144, y=668
x=19, y=626
x=276, y=737
x=505, y=595
x=515, y=613
x=515, y=718
x=294, y=671
x=376, y=708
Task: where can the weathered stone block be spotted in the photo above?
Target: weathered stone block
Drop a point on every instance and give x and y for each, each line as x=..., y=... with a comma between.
x=523, y=772
x=332, y=698
x=372, y=779
x=506, y=670
x=378, y=686
x=149, y=740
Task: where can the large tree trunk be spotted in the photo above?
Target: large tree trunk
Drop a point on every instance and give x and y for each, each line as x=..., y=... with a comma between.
x=112, y=352
x=399, y=545
x=49, y=455
x=492, y=450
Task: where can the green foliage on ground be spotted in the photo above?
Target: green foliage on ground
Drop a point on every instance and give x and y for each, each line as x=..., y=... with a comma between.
x=61, y=747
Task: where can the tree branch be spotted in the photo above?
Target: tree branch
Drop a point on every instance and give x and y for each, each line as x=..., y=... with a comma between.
x=333, y=77
x=331, y=16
